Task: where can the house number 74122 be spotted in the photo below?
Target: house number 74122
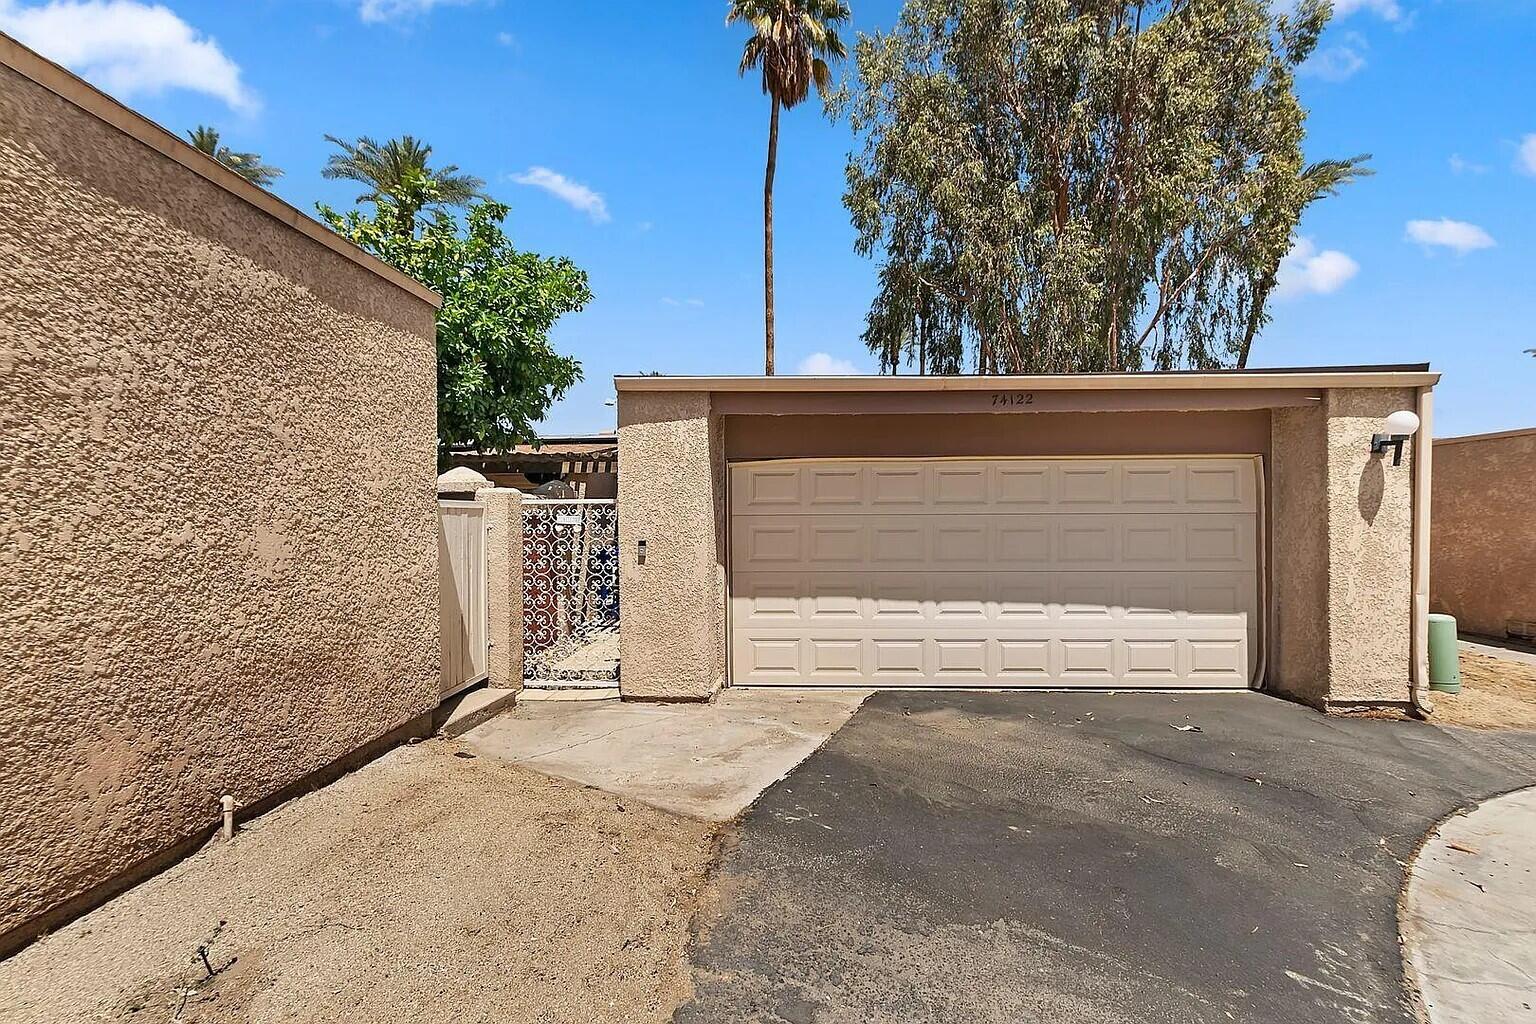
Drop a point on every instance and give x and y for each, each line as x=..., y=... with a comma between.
x=1002, y=398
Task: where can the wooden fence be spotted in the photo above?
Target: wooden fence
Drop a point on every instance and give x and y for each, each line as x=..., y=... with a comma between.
x=461, y=593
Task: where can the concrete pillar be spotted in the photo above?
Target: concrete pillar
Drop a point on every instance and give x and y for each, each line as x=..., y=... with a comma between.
x=671, y=496
x=504, y=585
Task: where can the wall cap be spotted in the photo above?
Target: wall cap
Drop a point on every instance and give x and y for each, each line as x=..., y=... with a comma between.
x=75, y=90
x=1494, y=436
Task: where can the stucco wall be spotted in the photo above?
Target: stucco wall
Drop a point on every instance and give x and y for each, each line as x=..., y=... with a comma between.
x=671, y=495
x=1298, y=558
x=1342, y=550
x=1225, y=432
x=1483, y=544
x=218, y=558
x=1370, y=543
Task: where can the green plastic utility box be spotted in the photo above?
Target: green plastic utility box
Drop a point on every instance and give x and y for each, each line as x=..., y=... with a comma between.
x=1444, y=655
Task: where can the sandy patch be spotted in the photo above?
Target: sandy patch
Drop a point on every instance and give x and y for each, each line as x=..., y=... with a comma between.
x=431, y=885
x=1495, y=694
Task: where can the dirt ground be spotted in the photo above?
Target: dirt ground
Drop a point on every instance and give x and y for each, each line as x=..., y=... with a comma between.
x=431, y=885
x=1495, y=694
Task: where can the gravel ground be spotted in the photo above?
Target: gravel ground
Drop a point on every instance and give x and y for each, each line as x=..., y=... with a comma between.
x=1495, y=694
x=428, y=886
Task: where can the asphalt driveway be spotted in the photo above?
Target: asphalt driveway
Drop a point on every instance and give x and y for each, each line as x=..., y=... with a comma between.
x=1080, y=858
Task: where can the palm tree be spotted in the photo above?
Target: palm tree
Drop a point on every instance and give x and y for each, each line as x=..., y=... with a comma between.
x=248, y=165
x=386, y=167
x=791, y=41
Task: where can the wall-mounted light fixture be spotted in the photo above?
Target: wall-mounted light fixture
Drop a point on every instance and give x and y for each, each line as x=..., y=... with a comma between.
x=1401, y=425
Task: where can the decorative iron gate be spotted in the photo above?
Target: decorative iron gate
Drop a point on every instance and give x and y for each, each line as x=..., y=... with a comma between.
x=570, y=587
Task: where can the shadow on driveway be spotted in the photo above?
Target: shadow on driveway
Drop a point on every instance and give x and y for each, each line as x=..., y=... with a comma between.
x=978, y=857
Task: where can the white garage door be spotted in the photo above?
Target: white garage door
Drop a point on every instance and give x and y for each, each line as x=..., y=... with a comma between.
x=1113, y=573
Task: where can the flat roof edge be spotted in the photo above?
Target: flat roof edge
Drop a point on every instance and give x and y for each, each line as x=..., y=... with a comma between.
x=1321, y=377
x=73, y=89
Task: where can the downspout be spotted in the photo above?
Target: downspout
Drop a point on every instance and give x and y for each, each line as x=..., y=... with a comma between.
x=1418, y=669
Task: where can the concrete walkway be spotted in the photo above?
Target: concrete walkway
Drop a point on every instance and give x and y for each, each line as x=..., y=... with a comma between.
x=1469, y=920
x=708, y=761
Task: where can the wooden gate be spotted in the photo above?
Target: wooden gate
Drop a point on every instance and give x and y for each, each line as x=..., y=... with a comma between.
x=461, y=594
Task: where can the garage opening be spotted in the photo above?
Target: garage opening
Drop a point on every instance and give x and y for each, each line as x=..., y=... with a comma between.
x=1109, y=573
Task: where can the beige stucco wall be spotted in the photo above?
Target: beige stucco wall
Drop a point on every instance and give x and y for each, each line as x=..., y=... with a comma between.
x=1370, y=543
x=1341, y=602
x=1483, y=546
x=218, y=555
x=671, y=495
x=1298, y=555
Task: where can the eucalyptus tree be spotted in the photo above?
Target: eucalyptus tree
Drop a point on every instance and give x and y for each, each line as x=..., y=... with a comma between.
x=248, y=165
x=791, y=43
x=392, y=170
x=1080, y=185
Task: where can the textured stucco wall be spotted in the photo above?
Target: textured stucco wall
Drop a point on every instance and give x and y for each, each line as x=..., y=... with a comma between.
x=671, y=495
x=218, y=553
x=503, y=585
x=1298, y=555
x=1342, y=550
x=1483, y=543
x=1370, y=543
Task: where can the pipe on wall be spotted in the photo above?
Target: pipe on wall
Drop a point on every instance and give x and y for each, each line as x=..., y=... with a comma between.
x=1418, y=629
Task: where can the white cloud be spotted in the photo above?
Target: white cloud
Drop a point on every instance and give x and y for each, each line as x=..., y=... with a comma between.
x=1525, y=159
x=1306, y=271
x=506, y=38
x=567, y=191
x=1387, y=10
x=670, y=301
x=1460, y=165
x=1456, y=235
x=393, y=10
x=128, y=48
x=821, y=364
x=1338, y=62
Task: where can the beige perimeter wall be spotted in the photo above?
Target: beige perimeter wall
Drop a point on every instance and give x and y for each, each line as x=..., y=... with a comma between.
x=1483, y=546
x=218, y=548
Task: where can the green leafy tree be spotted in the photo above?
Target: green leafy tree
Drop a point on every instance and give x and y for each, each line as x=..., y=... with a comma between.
x=248, y=165
x=497, y=373
x=791, y=42
x=1065, y=186
x=390, y=170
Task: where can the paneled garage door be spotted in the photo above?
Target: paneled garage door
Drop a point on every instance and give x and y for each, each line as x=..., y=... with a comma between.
x=1111, y=573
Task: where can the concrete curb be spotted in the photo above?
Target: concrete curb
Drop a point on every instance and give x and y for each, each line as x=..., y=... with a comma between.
x=1468, y=915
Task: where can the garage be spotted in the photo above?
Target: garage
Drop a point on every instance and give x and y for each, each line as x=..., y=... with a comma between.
x=1164, y=530
x=1017, y=572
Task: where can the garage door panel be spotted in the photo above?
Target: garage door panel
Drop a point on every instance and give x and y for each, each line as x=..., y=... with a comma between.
x=1113, y=573
x=963, y=657
x=834, y=487
x=895, y=487
x=874, y=600
x=979, y=542
x=983, y=485
x=898, y=659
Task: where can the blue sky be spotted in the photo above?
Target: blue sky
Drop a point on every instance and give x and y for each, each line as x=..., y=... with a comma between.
x=621, y=137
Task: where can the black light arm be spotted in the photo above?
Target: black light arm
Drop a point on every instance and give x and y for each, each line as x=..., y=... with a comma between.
x=1381, y=442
